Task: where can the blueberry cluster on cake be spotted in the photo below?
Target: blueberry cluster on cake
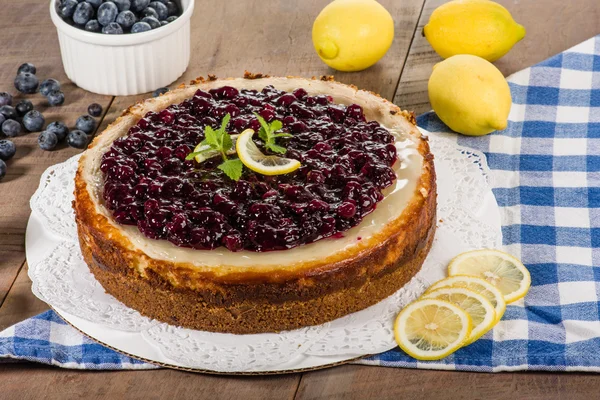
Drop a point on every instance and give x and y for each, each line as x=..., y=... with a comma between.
x=182, y=241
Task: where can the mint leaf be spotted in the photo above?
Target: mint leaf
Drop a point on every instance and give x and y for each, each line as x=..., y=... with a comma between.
x=275, y=148
x=262, y=134
x=276, y=135
x=232, y=168
x=210, y=137
x=227, y=142
x=276, y=125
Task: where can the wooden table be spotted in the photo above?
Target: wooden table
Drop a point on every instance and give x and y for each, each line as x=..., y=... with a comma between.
x=269, y=36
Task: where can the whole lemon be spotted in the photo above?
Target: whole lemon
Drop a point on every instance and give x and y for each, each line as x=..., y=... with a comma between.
x=479, y=27
x=470, y=95
x=351, y=35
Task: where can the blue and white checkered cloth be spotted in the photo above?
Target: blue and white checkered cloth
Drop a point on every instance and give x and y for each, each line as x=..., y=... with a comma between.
x=546, y=178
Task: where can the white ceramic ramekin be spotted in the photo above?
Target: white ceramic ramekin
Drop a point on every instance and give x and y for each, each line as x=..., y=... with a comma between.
x=121, y=65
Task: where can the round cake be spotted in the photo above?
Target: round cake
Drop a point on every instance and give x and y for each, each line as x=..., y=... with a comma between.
x=194, y=243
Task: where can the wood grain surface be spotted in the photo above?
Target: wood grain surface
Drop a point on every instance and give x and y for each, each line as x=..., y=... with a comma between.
x=269, y=36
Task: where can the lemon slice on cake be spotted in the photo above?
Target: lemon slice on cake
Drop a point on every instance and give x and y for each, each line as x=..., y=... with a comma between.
x=480, y=310
x=477, y=285
x=431, y=329
x=500, y=269
x=259, y=162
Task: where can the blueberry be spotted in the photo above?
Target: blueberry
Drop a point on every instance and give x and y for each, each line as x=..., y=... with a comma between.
x=34, y=121
x=59, y=129
x=7, y=149
x=2, y=169
x=27, y=67
x=112, y=29
x=153, y=22
x=47, y=140
x=83, y=13
x=95, y=110
x=93, y=26
x=94, y=3
x=23, y=107
x=139, y=5
x=149, y=12
x=164, y=22
x=162, y=1
x=86, y=124
x=160, y=9
x=49, y=85
x=77, y=139
x=5, y=99
x=126, y=19
x=140, y=27
x=26, y=82
x=67, y=8
x=9, y=112
x=171, y=19
x=160, y=91
x=11, y=128
x=122, y=5
x=107, y=13
x=172, y=8
x=56, y=98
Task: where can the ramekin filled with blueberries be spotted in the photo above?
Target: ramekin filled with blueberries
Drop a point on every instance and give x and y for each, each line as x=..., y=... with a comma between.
x=123, y=47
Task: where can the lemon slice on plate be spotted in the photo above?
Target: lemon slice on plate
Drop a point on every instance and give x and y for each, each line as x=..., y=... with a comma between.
x=431, y=329
x=477, y=285
x=255, y=160
x=500, y=269
x=480, y=310
x=210, y=154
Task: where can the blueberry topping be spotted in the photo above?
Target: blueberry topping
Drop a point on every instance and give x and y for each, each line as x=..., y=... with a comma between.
x=49, y=85
x=77, y=139
x=346, y=163
x=95, y=110
x=9, y=112
x=47, y=140
x=7, y=149
x=107, y=13
x=86, y=124
x=34, y=121
x=59, y=129
x=56, y=98
x=11, y=128
x=94, y=3
x=139, y=5
x=149, y=12
x=83, y=13
x=2, y=169
x=23, y=107
x=27, y=67
x=93, y=26
x=5, y=99
x=122, y=5
x=160, y=9
x=26, y=82
x=67, y=8
x=112, y=29
x=160, y=91
x=172, y=8
x=140, y=27
x=126, y=19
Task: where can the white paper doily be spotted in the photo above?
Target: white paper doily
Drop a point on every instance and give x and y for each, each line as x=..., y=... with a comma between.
x=468, y=219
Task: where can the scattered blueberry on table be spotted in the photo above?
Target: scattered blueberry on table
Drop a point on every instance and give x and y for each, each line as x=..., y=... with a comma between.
x=34, y=121
x=27, y=67
x=9, y=112
x=47, y=140
x=48, y=86
x=77, y=139
x=160, y=91
x=59, y=129
x=27, y=83
x=95, y=110
x=7, y=149
x=23, y=107
x=5, y=99
x=11, y=128
x=56, y=98
x=86, y=123
x=117, y=16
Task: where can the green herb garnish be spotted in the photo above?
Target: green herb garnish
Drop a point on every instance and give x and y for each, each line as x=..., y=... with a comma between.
x=268, y=135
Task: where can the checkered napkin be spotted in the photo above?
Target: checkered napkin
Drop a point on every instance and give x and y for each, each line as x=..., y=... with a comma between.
x=546, y=179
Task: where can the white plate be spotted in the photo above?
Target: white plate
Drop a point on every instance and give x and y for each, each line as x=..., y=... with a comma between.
x=469, y=218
